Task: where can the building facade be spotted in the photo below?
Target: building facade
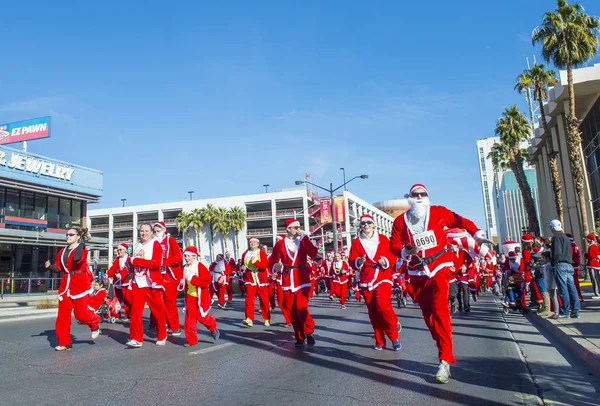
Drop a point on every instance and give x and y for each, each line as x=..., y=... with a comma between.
x=487, y=176
x=265, y=218
x=40, y=198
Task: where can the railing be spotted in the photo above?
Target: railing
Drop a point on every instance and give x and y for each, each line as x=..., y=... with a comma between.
x=28, y=286
x=123, y=224
x=256, y=214
x=121, y=240
x=99, y=227
x=260, y=231
x=287, y=212
x=102, y=259
x=171, y=222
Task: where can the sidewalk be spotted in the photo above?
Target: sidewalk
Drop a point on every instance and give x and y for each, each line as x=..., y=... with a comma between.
x=580, y=336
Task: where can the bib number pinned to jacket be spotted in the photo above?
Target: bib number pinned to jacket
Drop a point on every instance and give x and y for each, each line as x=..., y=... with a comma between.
x=425, y=241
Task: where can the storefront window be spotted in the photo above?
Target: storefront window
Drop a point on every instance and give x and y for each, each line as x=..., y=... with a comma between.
x=40, y=207
x=65, y=213
x=53, y=212
x=12, y=203
x=2, y=192
x=27, y=204
x=76, y=213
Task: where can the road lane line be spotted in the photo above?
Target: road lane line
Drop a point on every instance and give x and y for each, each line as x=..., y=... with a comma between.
x=211, y=349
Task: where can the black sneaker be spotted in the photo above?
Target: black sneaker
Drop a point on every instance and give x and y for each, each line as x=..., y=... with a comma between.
x=151, y=326
x=310, y=340
x=176, y=333
x=299, y=343
x=467, y=310
x=215, y=334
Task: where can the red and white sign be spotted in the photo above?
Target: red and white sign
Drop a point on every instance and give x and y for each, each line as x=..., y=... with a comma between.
x=339, y=209
x=325, y=211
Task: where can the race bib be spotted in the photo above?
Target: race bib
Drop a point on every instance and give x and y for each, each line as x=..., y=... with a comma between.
x=425, y=241
x=141, y=281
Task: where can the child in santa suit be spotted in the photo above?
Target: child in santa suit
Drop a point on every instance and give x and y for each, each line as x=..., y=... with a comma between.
x=256, y=281
x=198, y=298
x=121, y=271
x=220, y=271
x=340, y=269
x=96, y=297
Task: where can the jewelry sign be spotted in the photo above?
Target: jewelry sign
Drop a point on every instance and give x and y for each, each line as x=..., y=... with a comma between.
x=26, y=130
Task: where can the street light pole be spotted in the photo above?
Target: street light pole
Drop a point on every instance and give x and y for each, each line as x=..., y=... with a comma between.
x=123, y=201
x=266, y=188
x=333, y=221
x=344, y=173
x=191, y=192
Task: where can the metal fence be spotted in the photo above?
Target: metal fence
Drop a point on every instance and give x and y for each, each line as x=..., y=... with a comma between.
x=28, y=286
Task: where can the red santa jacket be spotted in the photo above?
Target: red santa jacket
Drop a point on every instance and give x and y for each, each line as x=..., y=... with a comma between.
x=96, y=299
x=172, y=257
x=77, y=276
x=437, y=218
x=199, y=277
x=341, y=271
x=576, y=254
x=256, y=270
x=461, y=259
x=591, y=257
x=147, y=261
x=296, y=272
x=372, y=273
x=314, y=271
x=232, y=267
x=220, y=271
x=121, y=266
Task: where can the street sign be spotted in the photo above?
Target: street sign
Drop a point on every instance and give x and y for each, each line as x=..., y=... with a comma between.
x=25, y=130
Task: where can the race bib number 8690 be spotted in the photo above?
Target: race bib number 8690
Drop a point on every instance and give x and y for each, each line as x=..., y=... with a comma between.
x=425, y=241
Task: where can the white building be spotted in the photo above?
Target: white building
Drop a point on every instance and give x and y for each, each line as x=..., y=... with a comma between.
x=486, y=173
x=266, y=214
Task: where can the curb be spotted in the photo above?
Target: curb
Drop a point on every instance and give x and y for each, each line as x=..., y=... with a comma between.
x=31, y=315
x=590, y=357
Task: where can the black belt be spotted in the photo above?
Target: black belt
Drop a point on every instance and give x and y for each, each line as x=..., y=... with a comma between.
x=428, y=260
x=290, y=267
x=564, y=262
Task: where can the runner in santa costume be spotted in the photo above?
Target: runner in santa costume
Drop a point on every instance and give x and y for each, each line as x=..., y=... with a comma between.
x=593, y=264
x=232, y=268
x=121, y=271
x=290, y=255
x=418, y=236
x=220, y=271
x=147, y=287
x=198, y=297
x=256, y=281
x=340, y=270
x=576, y=255
x=370, y=255
x=535, y=296
x=171, y=275
x=278, y=276
x=96, y=298
x=328, y=265
x=74, y=289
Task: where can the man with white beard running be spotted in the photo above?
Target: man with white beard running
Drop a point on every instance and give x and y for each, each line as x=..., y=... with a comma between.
x=418, y=237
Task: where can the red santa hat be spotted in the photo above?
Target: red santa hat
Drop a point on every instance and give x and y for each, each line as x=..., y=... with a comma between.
x=123, y=245
x=512, y=255
x=416, y=186
x=366, y=217
x=527, y=238
x=253, y=239
x=591, y=237
x=191, y=250
x=570, y=237
x=220, y=257
x=280, y=237
x=291, y=223
x=160, y=224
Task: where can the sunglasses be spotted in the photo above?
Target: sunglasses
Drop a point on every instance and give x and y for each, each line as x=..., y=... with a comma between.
x=364, y=223
x=71, y=234
x=418, y=194
x=295, y=228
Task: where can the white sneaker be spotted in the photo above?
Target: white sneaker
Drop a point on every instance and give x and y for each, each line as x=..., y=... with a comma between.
x=133, y=344
x=443, y=373
x=95, y=333
x=161, y=342
x=595, y=297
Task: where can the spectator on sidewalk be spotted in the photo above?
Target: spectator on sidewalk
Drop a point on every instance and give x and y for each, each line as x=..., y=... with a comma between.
x=593, y=264
x=563, y=271
x=550, y=281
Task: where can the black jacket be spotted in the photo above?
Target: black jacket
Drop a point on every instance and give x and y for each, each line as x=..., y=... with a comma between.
x=560, y=249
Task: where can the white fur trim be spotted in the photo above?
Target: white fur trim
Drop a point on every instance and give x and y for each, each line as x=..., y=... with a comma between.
x=294, y=224
x=479, y=234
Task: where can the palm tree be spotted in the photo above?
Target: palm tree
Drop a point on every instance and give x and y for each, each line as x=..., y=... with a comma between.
x=512, y=128
x=183, y=222
x=197, y=222
x=222, y=225
x=237, y=220
x=209, y=216
x=539, y=79
x=568, y=38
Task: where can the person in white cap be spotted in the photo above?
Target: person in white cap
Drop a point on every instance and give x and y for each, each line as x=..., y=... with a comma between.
x=121, y=270
x=290, y=255
x=418, y=236
x=562, y=260
x=256, y=281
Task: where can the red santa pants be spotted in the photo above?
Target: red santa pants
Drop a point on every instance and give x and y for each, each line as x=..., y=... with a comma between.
x=242, y=286
x=381, y=312
x=576, y=281
x=341, y=291
x=170, y=303
x=271, y=290
x=154, y=298
x=193, y=316
x=229, y=289
x=313, y=288
x=330, y=286
x=123, y=298
x=79, y=307
x=297, y=305
x=219, y=290
x=432, y=295
x=263, y=299
x=284, y=311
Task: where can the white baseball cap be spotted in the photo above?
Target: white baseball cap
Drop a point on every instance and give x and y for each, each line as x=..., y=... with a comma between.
x=555, y=224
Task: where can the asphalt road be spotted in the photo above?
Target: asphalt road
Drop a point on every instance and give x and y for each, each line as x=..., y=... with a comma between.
x=501, y=361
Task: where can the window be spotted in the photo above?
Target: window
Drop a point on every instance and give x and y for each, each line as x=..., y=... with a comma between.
x=53, y=212
x=40, y=207
x=76, y=213
x=12, y=202
x=2, y=192
x=65, y=213
x=27, y=205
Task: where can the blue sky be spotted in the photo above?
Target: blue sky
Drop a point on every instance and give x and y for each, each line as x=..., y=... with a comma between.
x=223, y=98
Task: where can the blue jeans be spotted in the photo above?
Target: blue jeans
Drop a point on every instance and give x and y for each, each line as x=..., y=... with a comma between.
x=541, y=284
x=563, y=273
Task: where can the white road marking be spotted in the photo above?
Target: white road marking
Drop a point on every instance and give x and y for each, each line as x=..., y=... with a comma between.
x=211, y=349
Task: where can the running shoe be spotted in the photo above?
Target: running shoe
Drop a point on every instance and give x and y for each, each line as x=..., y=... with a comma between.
x=67, y=347
x=443, y=373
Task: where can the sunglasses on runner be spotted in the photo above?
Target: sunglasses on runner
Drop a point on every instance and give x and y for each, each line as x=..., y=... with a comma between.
x=418, y=194
x=71, y=234
x=364, y=223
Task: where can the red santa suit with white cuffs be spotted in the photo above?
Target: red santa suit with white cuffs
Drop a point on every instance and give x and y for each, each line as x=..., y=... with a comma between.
x=198, y=298
x=277, y=275
x=220, y=271
x=429, y=269
x=340, y=272
x=375, y=281
x=293, y=254
x=230, y=278
x=147, y=287
x=121, y=270
x=73, y=292
x=172, y=273
x=256, y=281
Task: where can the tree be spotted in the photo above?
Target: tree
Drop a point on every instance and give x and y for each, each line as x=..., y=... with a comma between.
x=512, y=128
x=222, y=225
x=209, y=216
x=183, y=224
x=237, y=220
x=568, y=38
x=539, y=79
x=196, y=222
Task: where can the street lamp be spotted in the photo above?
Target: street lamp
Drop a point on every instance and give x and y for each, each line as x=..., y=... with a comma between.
x=123, y=201
x=191, y=192
x=331, y=190
x=344, y=173
x=266, y=188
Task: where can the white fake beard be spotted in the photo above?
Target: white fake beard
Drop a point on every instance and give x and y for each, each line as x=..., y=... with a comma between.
x=159, y=236
x=418, y=208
